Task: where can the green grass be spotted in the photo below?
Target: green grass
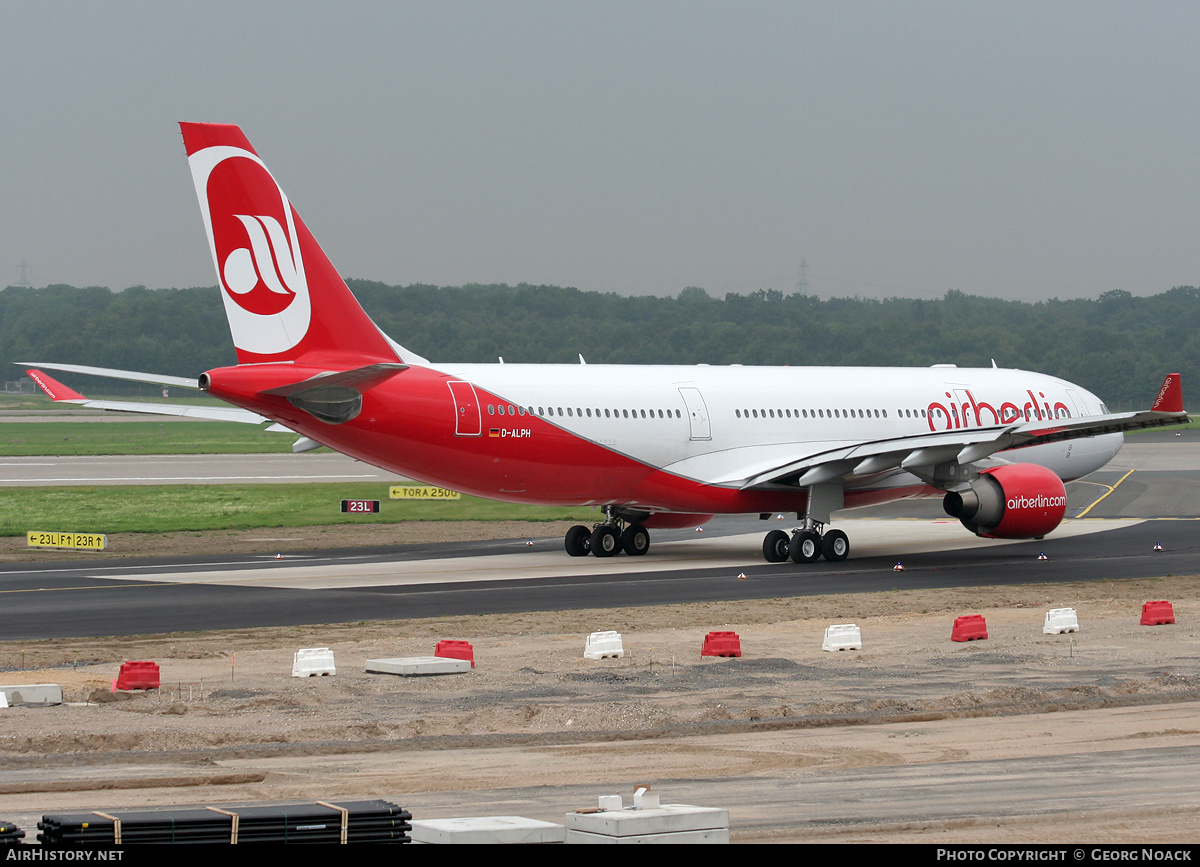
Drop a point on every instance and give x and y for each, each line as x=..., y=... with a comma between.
x=156, y=509
x=138, y=438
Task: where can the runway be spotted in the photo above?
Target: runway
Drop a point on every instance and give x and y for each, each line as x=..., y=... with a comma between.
x=134, y=598
x=1149, y=495
x=262, y=469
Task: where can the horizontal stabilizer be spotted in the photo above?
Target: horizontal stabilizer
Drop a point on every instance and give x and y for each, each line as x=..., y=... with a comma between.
x=361, y=379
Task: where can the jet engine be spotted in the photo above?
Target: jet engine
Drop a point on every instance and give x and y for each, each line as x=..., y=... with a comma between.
x=1016, y=501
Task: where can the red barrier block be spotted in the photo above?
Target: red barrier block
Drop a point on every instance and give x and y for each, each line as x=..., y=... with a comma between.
x=1157, y=613
x=450, y=649
x=722, y=644
x=138, y=675
x=971, y=627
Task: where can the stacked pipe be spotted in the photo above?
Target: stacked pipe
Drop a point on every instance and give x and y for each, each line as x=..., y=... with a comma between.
x=10, y=834
x=322, y=822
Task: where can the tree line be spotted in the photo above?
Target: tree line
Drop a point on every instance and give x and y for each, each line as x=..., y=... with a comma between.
x=1118, y=346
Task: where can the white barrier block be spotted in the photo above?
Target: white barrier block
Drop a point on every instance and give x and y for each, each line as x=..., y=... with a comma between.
x=669, y=823
x=3, y=699
x=644, y=799
x=410, y=665
x=485, y=829
x=602, y=645
x=842, y=636
x=610, y=802
x=313, y=661
x=1060, y=620
x=32, y=694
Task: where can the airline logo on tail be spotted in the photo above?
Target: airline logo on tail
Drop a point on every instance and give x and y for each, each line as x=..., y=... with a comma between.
x=252, y=235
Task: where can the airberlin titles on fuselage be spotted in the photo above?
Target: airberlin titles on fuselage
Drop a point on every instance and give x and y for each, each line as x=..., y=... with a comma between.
x=969, y=413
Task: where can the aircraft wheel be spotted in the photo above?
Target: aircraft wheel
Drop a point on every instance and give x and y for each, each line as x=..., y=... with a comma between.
x=578, y=541
x=776, y=546
x=605, y=542
x=805, y=547
x=635, y=540
x=835, y=546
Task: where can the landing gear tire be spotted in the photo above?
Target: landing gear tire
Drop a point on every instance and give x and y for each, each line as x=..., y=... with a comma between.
x=605, y=542
x=776, y=546
x=805, y=547
x=835, y=546
x=635, y=540
x=578, y=541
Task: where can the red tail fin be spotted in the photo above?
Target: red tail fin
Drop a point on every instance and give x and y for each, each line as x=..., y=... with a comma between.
x=1170, y=395
x=283, y=297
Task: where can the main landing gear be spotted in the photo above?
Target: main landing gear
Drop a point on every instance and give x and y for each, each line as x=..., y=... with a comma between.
x=608, y=539
x=810, y=542
x=806, y=545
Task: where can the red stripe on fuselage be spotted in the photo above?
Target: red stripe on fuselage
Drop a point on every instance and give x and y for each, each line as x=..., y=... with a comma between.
x=407, y=425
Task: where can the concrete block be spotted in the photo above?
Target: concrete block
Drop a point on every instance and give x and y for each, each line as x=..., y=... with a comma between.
x=715, y=835
x=32, y=693
x=485, y=829
x=416, y=665
x=669, y=823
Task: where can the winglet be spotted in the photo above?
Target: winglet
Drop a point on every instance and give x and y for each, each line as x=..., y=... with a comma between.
x=55, y=389
x=1170, y=396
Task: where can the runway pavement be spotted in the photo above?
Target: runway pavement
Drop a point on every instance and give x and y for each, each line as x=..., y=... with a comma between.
x=134, y=598
x=188, y=470
x=1150, y=494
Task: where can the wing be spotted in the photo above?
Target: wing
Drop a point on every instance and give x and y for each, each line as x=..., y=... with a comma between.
x=112, y=373
x=922, y=452
x=926, y=451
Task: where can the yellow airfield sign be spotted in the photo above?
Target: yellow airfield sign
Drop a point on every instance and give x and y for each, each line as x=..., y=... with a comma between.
x=421, y=492
x=83, y=541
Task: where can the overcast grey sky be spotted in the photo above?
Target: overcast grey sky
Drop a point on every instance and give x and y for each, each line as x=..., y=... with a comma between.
x=1014, y=149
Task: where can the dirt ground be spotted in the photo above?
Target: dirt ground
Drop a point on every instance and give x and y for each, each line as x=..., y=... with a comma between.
x=229, y=723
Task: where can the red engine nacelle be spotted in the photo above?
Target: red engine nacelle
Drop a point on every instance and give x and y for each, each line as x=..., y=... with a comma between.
x=1018, y=501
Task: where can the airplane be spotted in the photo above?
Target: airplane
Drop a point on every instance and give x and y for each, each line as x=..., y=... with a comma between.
x=650, y=446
